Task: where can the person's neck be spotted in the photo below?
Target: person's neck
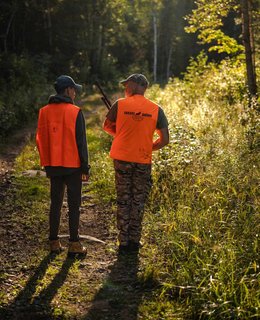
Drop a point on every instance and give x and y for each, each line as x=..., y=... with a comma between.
x=135, y=94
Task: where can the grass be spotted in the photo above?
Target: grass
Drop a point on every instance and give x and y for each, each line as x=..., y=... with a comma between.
x=203, y=214
x=38, y=278
x=200, y=258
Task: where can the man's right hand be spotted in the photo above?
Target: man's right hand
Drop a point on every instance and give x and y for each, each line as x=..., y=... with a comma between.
x=162, y=140
x=110, y=127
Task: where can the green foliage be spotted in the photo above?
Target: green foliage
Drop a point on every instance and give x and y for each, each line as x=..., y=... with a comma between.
x=251, y=121
x=23, y=88
x=209, y=14
x=102, y=172
x=207, y=19
x=203, y=211
x=224, y=43
x=201, y=228
x=113, y=37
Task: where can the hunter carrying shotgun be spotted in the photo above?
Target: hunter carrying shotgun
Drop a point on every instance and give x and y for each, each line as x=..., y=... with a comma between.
x=132, y=122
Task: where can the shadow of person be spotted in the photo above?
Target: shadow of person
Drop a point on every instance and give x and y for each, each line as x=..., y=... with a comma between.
x=28, y=305
x=121, y=293
x=45, y=297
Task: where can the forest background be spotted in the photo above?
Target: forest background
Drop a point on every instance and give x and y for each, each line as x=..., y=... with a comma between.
x=105, y=40
x=201, y=229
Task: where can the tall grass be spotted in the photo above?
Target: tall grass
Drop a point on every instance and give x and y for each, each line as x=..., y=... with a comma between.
x=102, y=172
x=202, y=222
x=202, y=225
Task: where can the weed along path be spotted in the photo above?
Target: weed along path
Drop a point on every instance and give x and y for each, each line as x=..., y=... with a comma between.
x=36, y=285
x=200, y=254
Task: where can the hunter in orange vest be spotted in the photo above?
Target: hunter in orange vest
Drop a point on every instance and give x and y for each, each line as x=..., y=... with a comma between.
x=62, y=146
x=132, y=121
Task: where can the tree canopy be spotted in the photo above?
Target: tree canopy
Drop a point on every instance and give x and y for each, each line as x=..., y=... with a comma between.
x=99, y=38
x=88, y=39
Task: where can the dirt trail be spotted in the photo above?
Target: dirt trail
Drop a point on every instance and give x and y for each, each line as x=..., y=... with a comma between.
x=8, y=152
x=105, y=286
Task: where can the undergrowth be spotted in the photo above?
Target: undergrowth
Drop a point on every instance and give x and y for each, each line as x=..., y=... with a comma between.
x=203, y=216
x=201, y=227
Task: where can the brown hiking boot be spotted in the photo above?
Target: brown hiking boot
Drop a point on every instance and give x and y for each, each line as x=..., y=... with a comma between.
x=55, y=246
x=76, y=248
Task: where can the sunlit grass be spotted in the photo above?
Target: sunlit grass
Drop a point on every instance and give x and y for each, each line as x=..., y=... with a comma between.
x=201, y=228
x=203, y=213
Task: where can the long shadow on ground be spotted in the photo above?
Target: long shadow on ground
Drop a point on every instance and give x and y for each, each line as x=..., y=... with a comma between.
x=121, y=293
x=27, y=306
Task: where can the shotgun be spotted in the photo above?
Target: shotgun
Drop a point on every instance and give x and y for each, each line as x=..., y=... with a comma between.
x=104, y=97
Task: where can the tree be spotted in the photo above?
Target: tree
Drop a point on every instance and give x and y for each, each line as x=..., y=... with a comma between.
x=248, y=40
x=99, y=38
x=208, y=20
x=7, y=17
x=175, y=46
x=155, y=46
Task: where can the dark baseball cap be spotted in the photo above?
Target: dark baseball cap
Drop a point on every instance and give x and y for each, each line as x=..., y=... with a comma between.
x=137, y=78
x=63, y=82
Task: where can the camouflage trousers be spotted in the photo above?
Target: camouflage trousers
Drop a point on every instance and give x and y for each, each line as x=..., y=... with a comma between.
x=133, y=184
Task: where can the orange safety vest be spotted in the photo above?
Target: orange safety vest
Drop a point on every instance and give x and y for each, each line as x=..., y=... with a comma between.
x=135, y=126
x=56, y=135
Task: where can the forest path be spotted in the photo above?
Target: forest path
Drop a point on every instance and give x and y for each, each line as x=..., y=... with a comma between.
x=36, y=285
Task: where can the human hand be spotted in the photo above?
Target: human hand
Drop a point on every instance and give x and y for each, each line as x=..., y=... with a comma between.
x=84, y=177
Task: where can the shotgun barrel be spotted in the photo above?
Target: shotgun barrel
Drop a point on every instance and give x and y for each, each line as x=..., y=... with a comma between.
x=104, y=97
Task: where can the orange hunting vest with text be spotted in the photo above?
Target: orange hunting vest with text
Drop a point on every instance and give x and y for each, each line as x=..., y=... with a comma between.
x=56, y=135
x=135, y=126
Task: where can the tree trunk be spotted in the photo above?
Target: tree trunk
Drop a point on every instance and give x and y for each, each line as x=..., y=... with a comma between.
x=246, y=11
x=8, y=29
x=169, y=62
x=155, y=47
x=49, y=24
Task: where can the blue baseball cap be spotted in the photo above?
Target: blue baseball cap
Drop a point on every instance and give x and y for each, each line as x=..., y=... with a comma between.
x=63, y=82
